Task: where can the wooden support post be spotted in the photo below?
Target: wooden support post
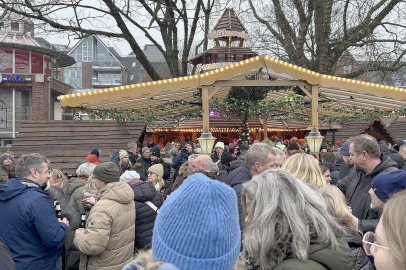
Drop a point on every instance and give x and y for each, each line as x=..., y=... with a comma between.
x=315, y=107
x=205, y=109
x=265, y=117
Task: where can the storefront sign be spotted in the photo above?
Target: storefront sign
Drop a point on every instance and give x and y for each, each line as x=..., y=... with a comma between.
x=12, y=78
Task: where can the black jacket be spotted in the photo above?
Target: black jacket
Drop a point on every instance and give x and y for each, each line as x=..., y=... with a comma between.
x=354, y=240
x=145, y=215
x=356, y=185
x=235, y=180
x=225, y=159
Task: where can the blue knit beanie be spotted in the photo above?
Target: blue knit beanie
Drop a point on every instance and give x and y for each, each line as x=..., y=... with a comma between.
x=345, y=148
x=387, y=183
x=197, y=227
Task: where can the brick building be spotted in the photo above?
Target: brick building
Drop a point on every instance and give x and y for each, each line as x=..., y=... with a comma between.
x=28, y=79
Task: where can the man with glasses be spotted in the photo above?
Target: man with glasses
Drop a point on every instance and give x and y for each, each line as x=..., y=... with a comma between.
x=6, y=162
x=29, y=225
x=365, y=154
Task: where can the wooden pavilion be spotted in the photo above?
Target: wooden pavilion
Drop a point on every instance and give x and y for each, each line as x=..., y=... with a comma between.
x=178, y=96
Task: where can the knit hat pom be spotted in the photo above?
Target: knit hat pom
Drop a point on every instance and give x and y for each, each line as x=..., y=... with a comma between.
x=197, y=227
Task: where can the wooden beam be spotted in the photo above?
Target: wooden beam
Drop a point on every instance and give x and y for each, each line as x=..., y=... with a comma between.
x=260, y=83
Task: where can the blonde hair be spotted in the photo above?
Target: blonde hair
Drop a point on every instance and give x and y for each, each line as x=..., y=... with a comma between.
x=337, y=205
x=394, y=225
x=305, y=168
x=59, y=176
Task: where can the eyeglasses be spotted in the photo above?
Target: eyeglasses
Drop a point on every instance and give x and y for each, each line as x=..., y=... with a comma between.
x=369, y=243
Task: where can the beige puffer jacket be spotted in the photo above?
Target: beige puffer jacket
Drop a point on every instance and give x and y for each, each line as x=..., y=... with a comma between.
x=108, y=241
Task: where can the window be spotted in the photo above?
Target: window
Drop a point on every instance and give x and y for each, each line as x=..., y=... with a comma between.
x=347, y=69
x=77, y=54
x=87, y=50
x=23, y=104
x=73, y=76
x=1, y=25
x=22, y=61
x=133, y=64
x=6, y=142
x=36, y=63
x=15, y=26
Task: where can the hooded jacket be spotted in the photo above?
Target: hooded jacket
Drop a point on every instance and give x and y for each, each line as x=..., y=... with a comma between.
x=145, y=215
x=29, y=225
x=356, y=185
x=108, y=240
x=322, y=257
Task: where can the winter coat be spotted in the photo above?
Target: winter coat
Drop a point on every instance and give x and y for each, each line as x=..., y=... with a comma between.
x=178, y=181
x=225, y=159
x=322, y=257
x=146, y=163
x=74, y=192
x=181, y=158
x=172, y=170
x=354, y=240
x=145, y=215
x=356, y=185
x=235, y=180
x=108, y=240
x=29, y=225
x=6, y=260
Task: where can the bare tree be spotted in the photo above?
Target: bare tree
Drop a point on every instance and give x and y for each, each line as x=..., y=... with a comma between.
x=170, y=25
x=315, y=33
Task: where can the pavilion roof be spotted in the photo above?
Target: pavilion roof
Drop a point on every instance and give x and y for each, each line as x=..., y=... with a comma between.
x=338, y=96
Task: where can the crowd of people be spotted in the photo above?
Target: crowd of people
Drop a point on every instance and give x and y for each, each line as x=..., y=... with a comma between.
x=271, y=206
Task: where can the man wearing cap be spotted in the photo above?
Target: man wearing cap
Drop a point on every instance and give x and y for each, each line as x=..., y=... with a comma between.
x=108, y=240
x=221, y=157
x=347, y=164
x=365, y=154
x=384, y=185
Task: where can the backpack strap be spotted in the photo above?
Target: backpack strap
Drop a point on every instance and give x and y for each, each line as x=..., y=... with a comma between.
x=153, y=206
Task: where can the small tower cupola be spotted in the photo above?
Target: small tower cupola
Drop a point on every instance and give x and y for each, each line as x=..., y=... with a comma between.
x=229, y=31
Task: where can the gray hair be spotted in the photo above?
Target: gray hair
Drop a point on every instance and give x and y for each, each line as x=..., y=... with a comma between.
x=27, y=162
x=258, y=152
x=85, y=169
x=283, y=212
x=193, y=156
x=131, y=145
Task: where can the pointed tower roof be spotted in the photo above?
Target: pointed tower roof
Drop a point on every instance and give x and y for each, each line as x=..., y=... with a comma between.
x=228, y=25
